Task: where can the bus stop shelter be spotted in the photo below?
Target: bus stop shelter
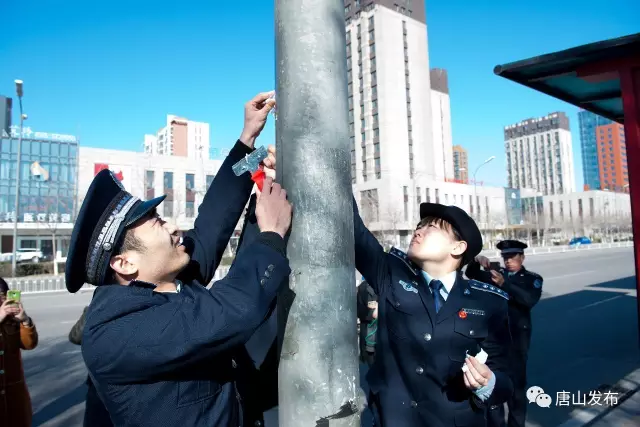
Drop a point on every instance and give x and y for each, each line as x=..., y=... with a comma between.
x=601, y=77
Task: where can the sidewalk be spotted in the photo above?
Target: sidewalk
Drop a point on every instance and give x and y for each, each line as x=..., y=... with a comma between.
x=625, y=414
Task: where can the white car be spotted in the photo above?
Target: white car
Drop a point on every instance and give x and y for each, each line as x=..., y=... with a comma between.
x=23, y=255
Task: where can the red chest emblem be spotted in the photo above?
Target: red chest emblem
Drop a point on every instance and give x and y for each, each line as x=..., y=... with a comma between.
x=462, y=314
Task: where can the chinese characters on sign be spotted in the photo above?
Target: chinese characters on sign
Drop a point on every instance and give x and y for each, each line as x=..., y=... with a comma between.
x=27, y=133
x=564, y=398
x=38, y=218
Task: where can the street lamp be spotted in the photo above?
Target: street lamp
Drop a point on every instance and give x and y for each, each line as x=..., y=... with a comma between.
x=19, y=93
x=475, y=196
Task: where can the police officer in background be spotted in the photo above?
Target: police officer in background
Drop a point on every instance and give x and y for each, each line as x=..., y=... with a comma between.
x=432, y=323
x=524, y=288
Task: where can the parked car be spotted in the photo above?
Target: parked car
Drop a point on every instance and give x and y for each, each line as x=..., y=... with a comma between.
x=23, y=255
x=577, y=241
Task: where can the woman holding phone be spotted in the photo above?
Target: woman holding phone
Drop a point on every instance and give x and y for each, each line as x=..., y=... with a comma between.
x=17, y=332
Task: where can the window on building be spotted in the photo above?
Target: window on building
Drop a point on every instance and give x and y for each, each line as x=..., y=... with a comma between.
x=437, y=195
x=405, y=191
x=149, y=184
x=168, y=208
x=428, y=195
x=168, y=181
x=370, y=205
x=210, y=180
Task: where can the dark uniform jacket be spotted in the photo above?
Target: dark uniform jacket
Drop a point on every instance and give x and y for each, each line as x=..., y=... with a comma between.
x=95, y=414
x=524, y=289
x=417, y=378
x=169, y=359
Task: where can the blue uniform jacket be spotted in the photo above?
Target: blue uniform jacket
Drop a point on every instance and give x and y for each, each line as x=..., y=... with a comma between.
x=169, y=359
x=417, y=378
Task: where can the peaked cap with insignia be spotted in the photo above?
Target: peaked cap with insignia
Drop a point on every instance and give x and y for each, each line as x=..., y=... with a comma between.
x=108, y=209
x=461, y=222
x=507, y=247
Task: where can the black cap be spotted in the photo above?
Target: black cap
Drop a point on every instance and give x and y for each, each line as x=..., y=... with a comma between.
x=461, y=222
x=108, y=209
x=507, y=247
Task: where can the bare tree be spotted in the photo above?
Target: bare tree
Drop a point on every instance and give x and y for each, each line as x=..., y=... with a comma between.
x=385, y=223
x=51, y=221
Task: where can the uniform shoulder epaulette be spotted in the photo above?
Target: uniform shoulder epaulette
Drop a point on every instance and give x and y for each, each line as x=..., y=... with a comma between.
x=485, y=287
x=537, y=282
x=402, y=256
x=536, y=275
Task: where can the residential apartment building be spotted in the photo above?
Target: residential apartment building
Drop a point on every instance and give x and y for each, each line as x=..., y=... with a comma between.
x=460, y=164
x=180, y=137
x=441, y=115
x=588, y=122
x=612, y=157
x=540, y=155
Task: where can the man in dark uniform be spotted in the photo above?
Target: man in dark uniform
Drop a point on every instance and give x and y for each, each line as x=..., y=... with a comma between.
x=161, y=349
x=524, y=288
x=431, y=324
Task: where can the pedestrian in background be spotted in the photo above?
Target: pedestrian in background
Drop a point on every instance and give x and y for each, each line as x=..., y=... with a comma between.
x=524, y=288
x=17, y=332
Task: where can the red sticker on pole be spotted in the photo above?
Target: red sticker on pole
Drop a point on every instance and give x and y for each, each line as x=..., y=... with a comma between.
x=252, y=163
x=258, y=177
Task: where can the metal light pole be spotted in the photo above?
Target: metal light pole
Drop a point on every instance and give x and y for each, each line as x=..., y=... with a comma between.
x=319, y=370
x=23, y=116
x=475, y=196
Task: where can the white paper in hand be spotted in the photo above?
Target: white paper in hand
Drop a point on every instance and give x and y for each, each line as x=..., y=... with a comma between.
x=480, y=357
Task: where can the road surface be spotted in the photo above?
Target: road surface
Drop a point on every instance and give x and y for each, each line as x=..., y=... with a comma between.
x=585, y=335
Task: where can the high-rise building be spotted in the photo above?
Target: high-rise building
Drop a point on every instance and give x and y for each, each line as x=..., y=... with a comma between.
x=47, y=203
x=180, y=137
x=460, y=164
x=5, y=115
x=588, y=122
x=612, y=157
x=389, y=90
x=441, y=119
x=540, y=154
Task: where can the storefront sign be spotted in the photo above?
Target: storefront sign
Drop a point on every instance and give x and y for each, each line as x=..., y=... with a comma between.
x=27, y=133
x=52, y=218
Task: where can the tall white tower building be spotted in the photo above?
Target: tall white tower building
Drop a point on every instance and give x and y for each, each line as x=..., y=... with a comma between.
x=441, y=115
x=389, y=99
x=540, y=154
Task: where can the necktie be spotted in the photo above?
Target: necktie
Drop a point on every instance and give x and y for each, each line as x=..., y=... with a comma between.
x=435, y=286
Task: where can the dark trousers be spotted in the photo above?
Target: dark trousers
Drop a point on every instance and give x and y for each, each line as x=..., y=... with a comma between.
x=518, y=403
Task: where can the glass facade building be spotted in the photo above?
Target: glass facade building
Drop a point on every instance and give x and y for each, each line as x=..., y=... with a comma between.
x=513, y=206
x=588, y=122
x=48, y=182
